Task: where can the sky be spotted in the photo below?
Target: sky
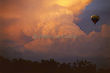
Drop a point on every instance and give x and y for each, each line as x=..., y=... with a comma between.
x=66, y=24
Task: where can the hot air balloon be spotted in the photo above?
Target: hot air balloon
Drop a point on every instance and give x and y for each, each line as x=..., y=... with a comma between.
x=95, y=18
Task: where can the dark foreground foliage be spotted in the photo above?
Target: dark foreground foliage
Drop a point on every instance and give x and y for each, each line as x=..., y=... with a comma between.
x=47, y=66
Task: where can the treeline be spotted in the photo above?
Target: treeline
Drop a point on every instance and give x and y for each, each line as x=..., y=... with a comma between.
x=47, y=66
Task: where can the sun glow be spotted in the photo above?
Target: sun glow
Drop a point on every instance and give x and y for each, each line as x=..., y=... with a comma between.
x=65, y=2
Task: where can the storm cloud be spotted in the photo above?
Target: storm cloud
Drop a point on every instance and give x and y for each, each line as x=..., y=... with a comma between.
x=22, y=19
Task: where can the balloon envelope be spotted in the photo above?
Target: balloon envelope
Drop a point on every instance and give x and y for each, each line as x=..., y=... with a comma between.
x=95, y=18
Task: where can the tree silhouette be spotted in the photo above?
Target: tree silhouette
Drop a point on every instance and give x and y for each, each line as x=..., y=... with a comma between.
x=47, y=66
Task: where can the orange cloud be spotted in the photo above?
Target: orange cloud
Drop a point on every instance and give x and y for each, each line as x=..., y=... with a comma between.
x=105, y=29
x=44, y=17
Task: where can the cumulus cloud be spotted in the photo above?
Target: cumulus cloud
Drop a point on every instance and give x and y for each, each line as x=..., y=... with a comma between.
x=96, y=44
x=22, y=19
x=44, y=17
x=34, y=16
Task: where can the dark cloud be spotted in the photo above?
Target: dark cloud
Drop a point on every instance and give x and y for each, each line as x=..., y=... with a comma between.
x=13, y=49
x=8, y=48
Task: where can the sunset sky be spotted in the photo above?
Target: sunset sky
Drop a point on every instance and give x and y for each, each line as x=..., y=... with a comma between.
x=21, y=21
